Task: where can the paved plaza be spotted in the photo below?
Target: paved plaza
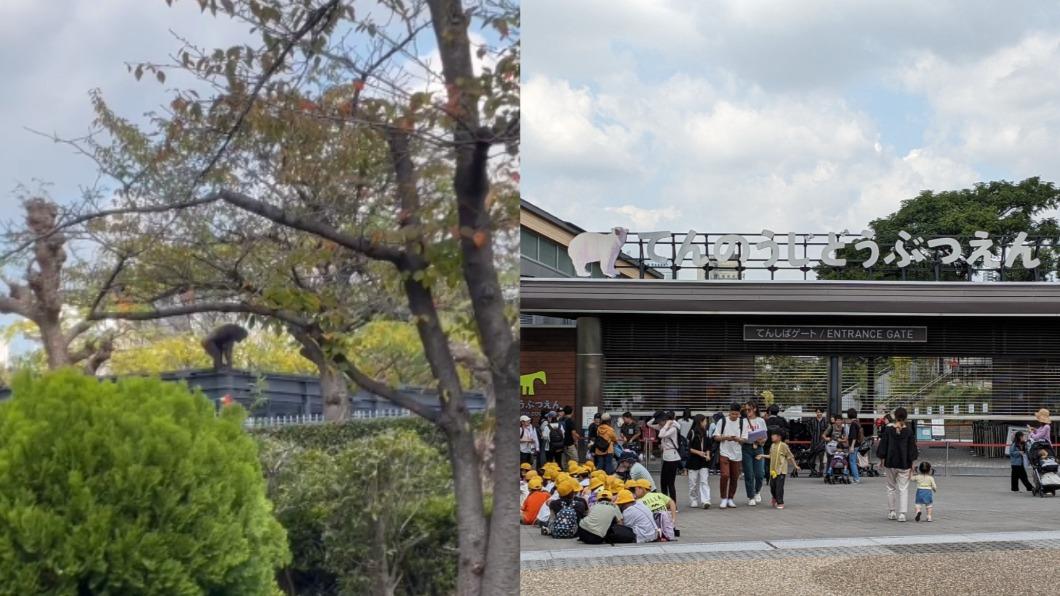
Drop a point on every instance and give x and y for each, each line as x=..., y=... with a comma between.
x=814, y=510
x=829, y=539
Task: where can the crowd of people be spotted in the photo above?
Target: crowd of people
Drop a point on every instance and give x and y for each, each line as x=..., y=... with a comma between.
x=610, y=496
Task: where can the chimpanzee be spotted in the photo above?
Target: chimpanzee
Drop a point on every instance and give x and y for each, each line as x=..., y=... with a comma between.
x=219, y=343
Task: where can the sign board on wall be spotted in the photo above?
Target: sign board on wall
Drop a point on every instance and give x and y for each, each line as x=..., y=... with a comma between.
x=835, y=333
x=587, y=415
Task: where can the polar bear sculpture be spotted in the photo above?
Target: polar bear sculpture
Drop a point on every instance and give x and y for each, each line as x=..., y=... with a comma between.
x=590, y=247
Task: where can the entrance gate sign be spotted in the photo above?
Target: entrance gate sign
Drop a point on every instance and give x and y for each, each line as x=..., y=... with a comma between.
x=835, y=333
x=716, y=250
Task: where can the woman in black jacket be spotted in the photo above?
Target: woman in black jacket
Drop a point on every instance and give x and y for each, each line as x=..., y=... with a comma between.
x=897, y=451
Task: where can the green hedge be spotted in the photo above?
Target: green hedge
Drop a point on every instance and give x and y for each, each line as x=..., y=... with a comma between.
x=130, y=487
x=337, y=435
x=328, y=495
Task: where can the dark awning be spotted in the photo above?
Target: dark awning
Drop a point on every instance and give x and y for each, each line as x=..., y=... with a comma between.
x=572, y=297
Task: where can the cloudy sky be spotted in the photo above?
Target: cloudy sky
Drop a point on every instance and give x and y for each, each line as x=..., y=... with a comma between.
x=807, y=116
x=55, y=52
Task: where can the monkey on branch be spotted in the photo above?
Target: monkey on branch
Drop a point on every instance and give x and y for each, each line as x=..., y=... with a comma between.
x=219, y=343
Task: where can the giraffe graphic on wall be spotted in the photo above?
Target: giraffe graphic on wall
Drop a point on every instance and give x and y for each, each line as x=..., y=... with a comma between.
x=526, y=382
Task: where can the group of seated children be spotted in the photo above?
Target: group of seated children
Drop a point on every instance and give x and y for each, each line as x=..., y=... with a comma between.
x=585, y=503
x=595, y=507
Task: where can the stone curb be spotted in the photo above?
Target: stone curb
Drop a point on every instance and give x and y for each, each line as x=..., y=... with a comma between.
x=596, y=552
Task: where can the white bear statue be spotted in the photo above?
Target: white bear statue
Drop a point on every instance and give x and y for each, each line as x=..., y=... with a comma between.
x=591, y=247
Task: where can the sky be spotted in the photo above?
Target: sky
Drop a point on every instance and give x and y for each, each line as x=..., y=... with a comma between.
x=63, y=49
x=811, y=116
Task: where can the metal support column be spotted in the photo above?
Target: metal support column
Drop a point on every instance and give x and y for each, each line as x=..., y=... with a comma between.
x=589, y=367
x=835, y=384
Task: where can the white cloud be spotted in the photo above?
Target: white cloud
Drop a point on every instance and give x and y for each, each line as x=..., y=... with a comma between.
x=1003, y=108
x=749, y=114
x=567, y=130
x=65, y=49
x=632, y=217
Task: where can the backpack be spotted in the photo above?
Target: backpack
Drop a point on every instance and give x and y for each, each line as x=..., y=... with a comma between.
x=600, y=443
x=555, y=437
x=665, y=524
x=565, y=524
x=682, y=447
x=725, y=425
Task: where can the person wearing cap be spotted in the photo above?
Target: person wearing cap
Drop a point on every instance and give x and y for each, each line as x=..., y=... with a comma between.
x=603, y=446
x=603, y=523
x=524, y=485
x=596, y=484
x=528, y=444
x=661, y=506
x=628, y=467
x=533, y=502
x=637, y=517
x=568, y=494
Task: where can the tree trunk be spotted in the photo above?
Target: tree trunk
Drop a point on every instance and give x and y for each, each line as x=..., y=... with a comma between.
x=334, y=392
x=381, y=581
x=471, y=183
x=471, y=523
x=54, y=341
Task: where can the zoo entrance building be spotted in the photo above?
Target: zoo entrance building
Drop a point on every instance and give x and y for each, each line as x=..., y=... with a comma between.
x=665, y=333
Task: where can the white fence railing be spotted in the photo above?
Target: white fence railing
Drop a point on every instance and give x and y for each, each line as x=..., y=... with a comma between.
x=303, y=419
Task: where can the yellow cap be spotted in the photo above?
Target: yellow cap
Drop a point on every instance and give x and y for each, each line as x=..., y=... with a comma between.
x=572, y=465
x=562, y=477
x=534, y=483
x=604, y=495
x=564, y=489
x=525, y=466
x=642, y=483
x=550, y=474
x=589, y=464
x=631, y=483
x=596, y=483
x=551, y=465
x=624, y=496
x=598, y=474
x=532, y=474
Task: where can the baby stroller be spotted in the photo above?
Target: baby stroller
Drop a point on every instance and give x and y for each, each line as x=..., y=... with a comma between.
x=1044, y=469
x=837, y=465
x=865, y=467
x=806, y=459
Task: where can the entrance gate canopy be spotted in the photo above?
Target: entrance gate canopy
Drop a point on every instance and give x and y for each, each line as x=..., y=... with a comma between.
x=957, y=350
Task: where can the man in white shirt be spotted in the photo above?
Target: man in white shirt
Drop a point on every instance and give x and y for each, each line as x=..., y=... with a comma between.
x=730, y=433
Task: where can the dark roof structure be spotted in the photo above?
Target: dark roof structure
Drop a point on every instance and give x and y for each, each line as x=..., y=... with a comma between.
x=573, y=297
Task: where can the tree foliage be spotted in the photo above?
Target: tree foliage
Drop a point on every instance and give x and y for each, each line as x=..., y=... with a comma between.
x=130, y=487
x=374, y=516
x=329, y=174
x=1001, y=208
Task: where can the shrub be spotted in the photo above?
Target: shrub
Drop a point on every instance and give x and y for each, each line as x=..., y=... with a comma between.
x=130, y=487
x=375, y=516
x=335, y=436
